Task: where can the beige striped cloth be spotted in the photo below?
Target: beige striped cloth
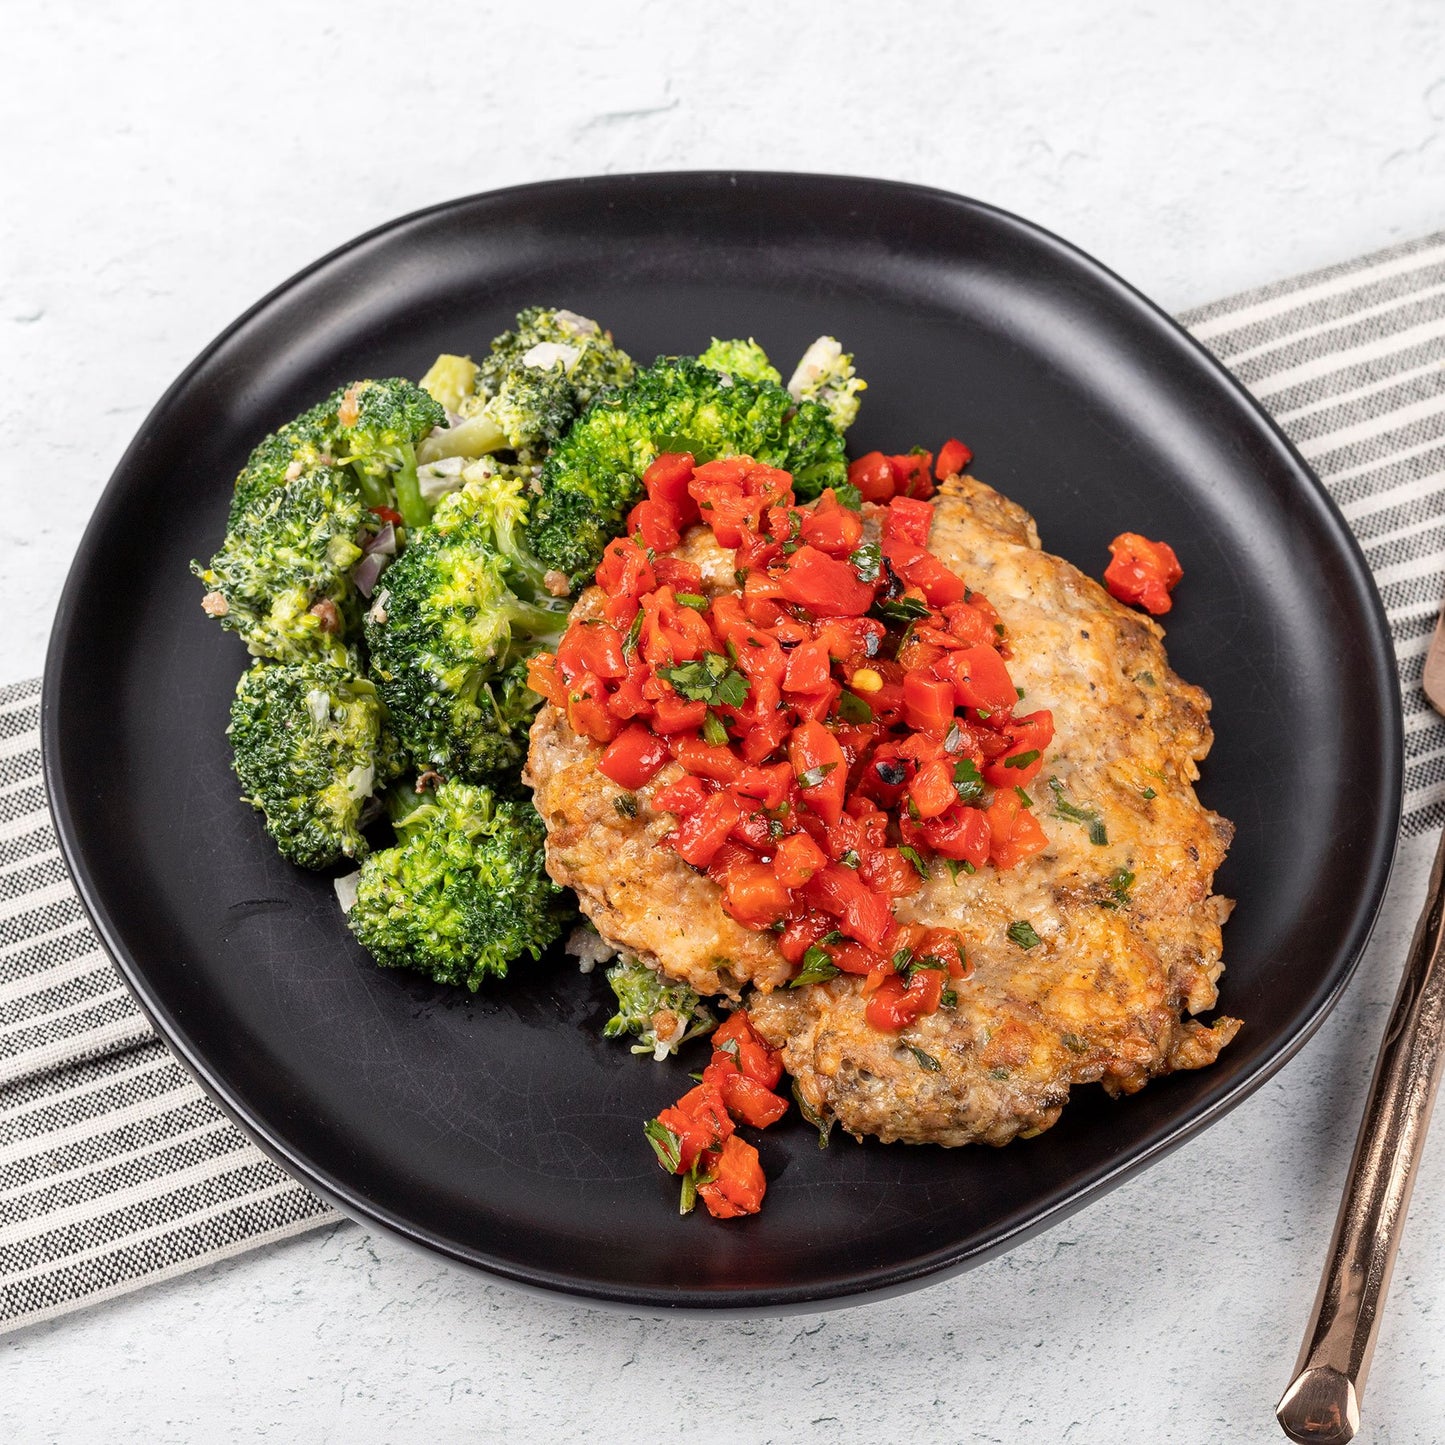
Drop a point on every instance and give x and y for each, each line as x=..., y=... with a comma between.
x=116, y=1170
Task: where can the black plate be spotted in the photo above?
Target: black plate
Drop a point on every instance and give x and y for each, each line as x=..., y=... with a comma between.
x=502, y=1130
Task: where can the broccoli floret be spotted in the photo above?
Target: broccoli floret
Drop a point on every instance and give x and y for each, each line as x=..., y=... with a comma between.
x=531, y=387
x=593, y=477
x=455, y=615
x=281, y=579
x=310, y=746
x=298, y=446
x=464, y=892
x=826, y=375
x=379, y=424
x=543, y=336
x=744, y=359
x=663, y=1015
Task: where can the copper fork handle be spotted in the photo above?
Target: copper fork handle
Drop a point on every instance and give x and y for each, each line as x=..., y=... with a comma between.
x=1322, y=1403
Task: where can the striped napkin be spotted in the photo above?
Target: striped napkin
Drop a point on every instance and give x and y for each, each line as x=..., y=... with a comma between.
x=116, y=1170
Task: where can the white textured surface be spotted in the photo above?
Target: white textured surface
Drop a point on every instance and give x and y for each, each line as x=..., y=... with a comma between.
x=161, y=166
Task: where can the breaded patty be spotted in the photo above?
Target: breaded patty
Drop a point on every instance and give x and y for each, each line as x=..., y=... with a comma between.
x=1103, y=996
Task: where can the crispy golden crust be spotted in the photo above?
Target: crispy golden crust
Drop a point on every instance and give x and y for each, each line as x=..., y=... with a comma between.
x=1099, y=999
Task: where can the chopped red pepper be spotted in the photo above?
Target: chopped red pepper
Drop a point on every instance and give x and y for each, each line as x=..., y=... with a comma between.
x=633, y=757
x=953, y=457
x=1142, y=572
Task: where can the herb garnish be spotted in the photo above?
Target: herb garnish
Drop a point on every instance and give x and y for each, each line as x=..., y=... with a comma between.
x=867, y=561
x=629, y=643
x=665, y=1144
x=711, y=678
x=713, y=730
x=925, y=1061
x=814, y=776
x=899, y=609
x=695, y=600
x=914, y=857
x=1022, y=933
x=967, y=780
x=852, y=708
x=1087, y=817
x=818, y=967
x=1119, y=882
x=822, y=1125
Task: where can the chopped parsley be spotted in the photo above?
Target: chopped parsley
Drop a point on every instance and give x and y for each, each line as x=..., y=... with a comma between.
x=1024, y=798
x=1119, y=882
x=1022, y=933
x=814, y=776
x=1086, y=817
x=629, y=643
x=1149, y=795
x=867, y=562
x=899, y=609
x=695, y=600
x=818, y=967
x=852, y=708
x=967, y=780
x=665, y=1144
x=925, y=1061
x=915, y=858
x=1022, y=760
x=822, y=1125
x=849, y=496
x=711, y=678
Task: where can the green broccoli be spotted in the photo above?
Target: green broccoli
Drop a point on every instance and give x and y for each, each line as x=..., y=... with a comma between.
x=298, y=446
x=593, y=477
x=825, y=375
x=463, y=893
x=663, y=1015
x=281, y=579
x=378, y=426
x=745, y=360
x=531, y=387
x=542, y=336
x=310, y=745
x=450, y=628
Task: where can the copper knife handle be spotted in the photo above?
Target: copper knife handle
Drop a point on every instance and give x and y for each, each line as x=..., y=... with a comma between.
x=1322, y=1403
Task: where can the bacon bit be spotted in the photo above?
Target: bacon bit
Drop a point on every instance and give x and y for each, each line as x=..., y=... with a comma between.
x=428, y=779
x=349, y=410
x=214, y=604
x=328, y=619
x=556, y=583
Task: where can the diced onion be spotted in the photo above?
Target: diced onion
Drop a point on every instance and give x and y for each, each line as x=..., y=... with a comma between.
x=366, y=572
x=384, y=543
x=345, y=887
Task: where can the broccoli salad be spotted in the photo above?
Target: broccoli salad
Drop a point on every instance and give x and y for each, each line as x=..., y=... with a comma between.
x=392, y=559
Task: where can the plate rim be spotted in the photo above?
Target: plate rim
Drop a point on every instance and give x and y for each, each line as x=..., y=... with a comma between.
x=859, y=1286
